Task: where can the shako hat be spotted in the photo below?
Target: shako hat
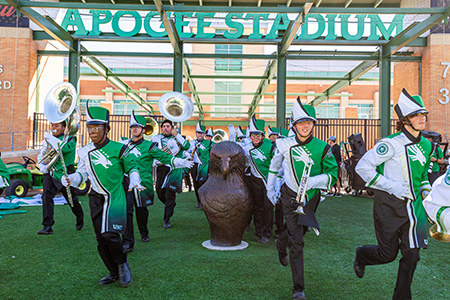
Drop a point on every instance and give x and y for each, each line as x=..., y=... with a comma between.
x=302, y=112
x=96, y=115
x=409, y=105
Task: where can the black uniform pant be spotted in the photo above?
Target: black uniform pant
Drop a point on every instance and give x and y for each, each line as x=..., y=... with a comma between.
x=292, y=236
x=262, y=207
x=166, y=196
x=392, y=231
x=194, y=171
x=433, y=176
x=51, y=187
x=141, y=219
x=279, y=219
x=109, y=244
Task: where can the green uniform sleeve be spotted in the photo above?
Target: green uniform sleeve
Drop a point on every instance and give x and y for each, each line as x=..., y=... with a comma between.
x=330, y=167
x=160, y=155
x=4, y=174
x=128, y=162
x=70, y=146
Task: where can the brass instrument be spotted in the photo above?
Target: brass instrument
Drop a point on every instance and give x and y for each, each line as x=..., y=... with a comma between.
x=176, y=106
x=219, y=136
x=301, y=194
x=151, y=128
x=59, y=106
x=439, y=236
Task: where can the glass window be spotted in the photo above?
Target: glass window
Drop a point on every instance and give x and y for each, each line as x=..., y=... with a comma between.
x=365, y=111
x=328, y=110
x=92, y=103
x=227, y=66
x=124, y=107
x=227, y=87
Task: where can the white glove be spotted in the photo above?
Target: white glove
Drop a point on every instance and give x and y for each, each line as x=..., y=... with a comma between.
x=231, y=129
x=43, y=168
x=272, y=192
x=278, y=183
x=52, y=140
x=135, y=181
x=75, y=180
x=313, y=182
x=272, y=195
x=401, y=190
x=182, y=163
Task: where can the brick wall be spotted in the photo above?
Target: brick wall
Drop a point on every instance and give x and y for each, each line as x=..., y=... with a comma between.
x=18, y=60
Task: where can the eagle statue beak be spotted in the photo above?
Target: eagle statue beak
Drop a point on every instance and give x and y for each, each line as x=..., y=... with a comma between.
x=225, y=166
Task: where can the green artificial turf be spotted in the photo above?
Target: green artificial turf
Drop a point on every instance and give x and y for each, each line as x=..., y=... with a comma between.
x=174, y=265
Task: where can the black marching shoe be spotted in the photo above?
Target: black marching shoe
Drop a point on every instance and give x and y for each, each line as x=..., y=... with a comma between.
x=47, y=230
x=127, y=248
x=124, y=274
x=359, y=268
x=80, y=224
x=298, y=295
x=108, y=279
x=145, y=239
x=166, y=224
x=282, y=256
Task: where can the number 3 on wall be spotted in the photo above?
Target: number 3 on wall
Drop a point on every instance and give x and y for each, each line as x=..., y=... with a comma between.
x=445, y=95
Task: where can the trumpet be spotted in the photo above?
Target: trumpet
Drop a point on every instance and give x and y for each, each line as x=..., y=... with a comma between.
x=301, y=194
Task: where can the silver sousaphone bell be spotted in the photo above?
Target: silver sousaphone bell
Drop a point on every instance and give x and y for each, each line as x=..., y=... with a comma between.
x=176, y=106
x=60, y=105
x=219, y=136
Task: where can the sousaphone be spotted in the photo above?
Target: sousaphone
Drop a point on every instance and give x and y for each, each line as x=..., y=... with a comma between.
x=176, y=107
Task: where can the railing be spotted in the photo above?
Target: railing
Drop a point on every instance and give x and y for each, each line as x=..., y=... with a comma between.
x=120, y=126
x=18, y=140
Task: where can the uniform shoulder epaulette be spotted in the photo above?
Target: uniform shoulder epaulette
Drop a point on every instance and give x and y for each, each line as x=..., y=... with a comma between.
x=152, y=146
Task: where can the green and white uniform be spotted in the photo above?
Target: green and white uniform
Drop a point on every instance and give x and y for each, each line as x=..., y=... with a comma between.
x=4, y=175
x=291, y=155
x=202, y=154
x=106, y=166
x=175, y=144
x=398, y=165
x=437, y=203
x=144, y=154
x=259, y=158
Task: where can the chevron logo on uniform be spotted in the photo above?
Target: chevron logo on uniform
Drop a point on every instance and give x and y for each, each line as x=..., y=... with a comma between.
x=299, y=154
x=258, y=155
x=201, y=147
x=98, y=158
x=416, y=154
x=136, y=152
x=447, y=177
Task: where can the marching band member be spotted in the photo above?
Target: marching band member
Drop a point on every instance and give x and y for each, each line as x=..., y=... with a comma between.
x=4, y=174
x=437, y=158
x=437, y=203
x=202, y=154
x=51, y=180
x=273, y=133
x=209, y=134
x=144, y=153
x=259, y=154
x=241, y=134
x=168, y=180
x=105, y=162
x=293, y=154
x=199, y=137
x=396, y=168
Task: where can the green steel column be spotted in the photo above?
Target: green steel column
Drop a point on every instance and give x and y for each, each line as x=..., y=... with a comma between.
x=281, y=91
x=178, y=71
x=74, y=64
x=420, y=78
x=385, y=94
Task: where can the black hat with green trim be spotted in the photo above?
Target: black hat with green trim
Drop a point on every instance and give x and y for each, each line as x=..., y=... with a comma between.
x=302, y=112
x=409, y=105
x=137, y=120
x=96, y=115
x=200, y=128
x=256, y=126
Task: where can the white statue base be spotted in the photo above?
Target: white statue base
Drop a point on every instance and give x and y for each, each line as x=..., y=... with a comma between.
x=241, y=246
